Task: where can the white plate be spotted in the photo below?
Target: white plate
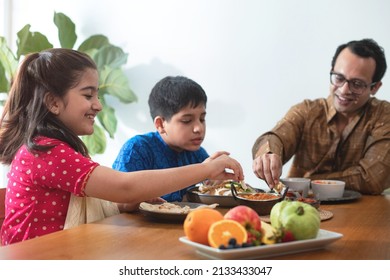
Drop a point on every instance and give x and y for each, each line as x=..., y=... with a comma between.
x=323, y=238
x=159, y=216
x=348, y=195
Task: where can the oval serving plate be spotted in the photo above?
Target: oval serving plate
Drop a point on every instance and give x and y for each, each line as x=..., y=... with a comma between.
x=323, y=239
x=164, y=217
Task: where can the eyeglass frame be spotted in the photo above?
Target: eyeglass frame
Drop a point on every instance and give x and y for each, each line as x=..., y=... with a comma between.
x=364, y=85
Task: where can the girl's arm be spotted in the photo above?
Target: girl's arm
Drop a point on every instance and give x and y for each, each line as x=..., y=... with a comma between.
x=134, y=187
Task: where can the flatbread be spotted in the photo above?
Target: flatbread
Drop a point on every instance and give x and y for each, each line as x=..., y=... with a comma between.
x=165, y=207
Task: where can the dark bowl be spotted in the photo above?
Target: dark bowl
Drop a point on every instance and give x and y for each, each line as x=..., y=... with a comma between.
x=309, y=200
x=313, y=202
x=222, y=200
x=262, y=207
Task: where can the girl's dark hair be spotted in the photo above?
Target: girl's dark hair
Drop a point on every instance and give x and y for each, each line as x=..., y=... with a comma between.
x=171, y=94
x=26, y=115
x=366, y=48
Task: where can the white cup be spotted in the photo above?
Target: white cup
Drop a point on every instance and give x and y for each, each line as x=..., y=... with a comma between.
x=300, y=185
x=328, y=189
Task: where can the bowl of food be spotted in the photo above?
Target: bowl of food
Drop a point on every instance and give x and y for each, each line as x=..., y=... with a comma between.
x=293, y=196
x=210, y=192
x=261, y=201
x=295, y=184
x=327, y=189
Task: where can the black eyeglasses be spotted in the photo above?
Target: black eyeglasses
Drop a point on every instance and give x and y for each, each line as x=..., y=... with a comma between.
x=355, y=85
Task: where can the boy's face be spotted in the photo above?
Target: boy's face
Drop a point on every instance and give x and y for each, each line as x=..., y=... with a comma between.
x=185, y=130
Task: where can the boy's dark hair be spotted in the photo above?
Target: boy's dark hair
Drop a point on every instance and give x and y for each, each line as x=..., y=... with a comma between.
x=171, y=94
x=366, y=48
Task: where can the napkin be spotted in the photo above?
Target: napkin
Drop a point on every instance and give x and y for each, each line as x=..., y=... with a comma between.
x=84, y=210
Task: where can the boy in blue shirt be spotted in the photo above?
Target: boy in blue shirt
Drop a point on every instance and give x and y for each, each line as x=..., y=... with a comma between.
x=178, y=109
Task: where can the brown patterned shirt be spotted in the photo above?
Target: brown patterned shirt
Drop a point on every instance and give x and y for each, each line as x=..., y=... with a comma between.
x=360, y=155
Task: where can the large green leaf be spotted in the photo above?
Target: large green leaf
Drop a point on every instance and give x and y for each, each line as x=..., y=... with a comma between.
x=96, y=142
x=29, y=42
x=108, y=120
x=8, y=65
x=94, y=42
x=66, y=30
x=111, y=56
x=3, y=80
x=115, y=83
x=108, y=58
x=91, y=52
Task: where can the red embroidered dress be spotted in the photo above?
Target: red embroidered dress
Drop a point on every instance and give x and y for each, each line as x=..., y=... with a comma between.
x=39, y=187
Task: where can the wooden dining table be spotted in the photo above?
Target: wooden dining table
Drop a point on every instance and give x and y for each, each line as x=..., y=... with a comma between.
x=364, y=224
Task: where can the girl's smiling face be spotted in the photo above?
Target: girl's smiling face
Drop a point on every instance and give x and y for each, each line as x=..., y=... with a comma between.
x=78, y=109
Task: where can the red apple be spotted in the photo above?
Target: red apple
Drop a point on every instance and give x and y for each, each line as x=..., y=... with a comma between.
x=246, y=216
x=249, y=218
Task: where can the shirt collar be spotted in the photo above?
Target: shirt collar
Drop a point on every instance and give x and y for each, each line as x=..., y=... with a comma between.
x=331, y=110
x=168, y=149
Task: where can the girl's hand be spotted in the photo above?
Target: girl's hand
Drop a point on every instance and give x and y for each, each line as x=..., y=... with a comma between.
x=155, y=200
x=132, y=207
x=223, y=167
x=217, y=154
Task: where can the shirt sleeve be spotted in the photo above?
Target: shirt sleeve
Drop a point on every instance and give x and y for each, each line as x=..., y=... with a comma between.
x=133, y=156
x=370, y=174
x=203, y=154
x=64, y=168
x=283, y=139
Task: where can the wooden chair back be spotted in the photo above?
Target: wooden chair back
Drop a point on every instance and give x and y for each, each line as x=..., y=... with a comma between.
x=2, y=205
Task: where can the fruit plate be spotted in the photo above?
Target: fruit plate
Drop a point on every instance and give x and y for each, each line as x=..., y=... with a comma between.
x=323, y=238
x=165, y=217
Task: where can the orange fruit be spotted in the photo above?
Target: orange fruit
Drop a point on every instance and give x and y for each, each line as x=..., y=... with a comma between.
x=222, y=231
x=197, y=224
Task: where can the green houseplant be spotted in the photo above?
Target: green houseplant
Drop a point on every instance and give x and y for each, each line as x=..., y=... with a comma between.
x=109, y=59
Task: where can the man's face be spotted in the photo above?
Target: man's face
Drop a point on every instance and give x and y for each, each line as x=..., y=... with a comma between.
x=352, y=68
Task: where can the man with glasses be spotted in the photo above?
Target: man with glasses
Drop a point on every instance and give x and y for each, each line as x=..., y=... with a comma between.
x=345, y=136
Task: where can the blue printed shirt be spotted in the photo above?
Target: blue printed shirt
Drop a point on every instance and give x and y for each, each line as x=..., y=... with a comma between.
x=149, y=151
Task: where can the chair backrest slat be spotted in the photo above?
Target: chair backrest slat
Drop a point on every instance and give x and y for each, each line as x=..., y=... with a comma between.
x=2, y=205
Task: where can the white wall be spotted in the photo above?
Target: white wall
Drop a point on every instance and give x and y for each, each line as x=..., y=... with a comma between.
x=254, y=58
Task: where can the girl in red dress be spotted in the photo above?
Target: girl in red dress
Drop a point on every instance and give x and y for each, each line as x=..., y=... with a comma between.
x=53, y=100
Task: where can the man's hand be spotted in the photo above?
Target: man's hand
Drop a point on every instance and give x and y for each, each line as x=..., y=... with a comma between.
x=269, y=168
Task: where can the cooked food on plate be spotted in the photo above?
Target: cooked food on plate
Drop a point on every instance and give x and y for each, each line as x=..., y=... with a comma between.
x=260, y=196
x=222, y=188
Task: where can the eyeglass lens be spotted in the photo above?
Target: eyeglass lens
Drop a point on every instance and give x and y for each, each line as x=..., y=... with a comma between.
x=355, y=85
